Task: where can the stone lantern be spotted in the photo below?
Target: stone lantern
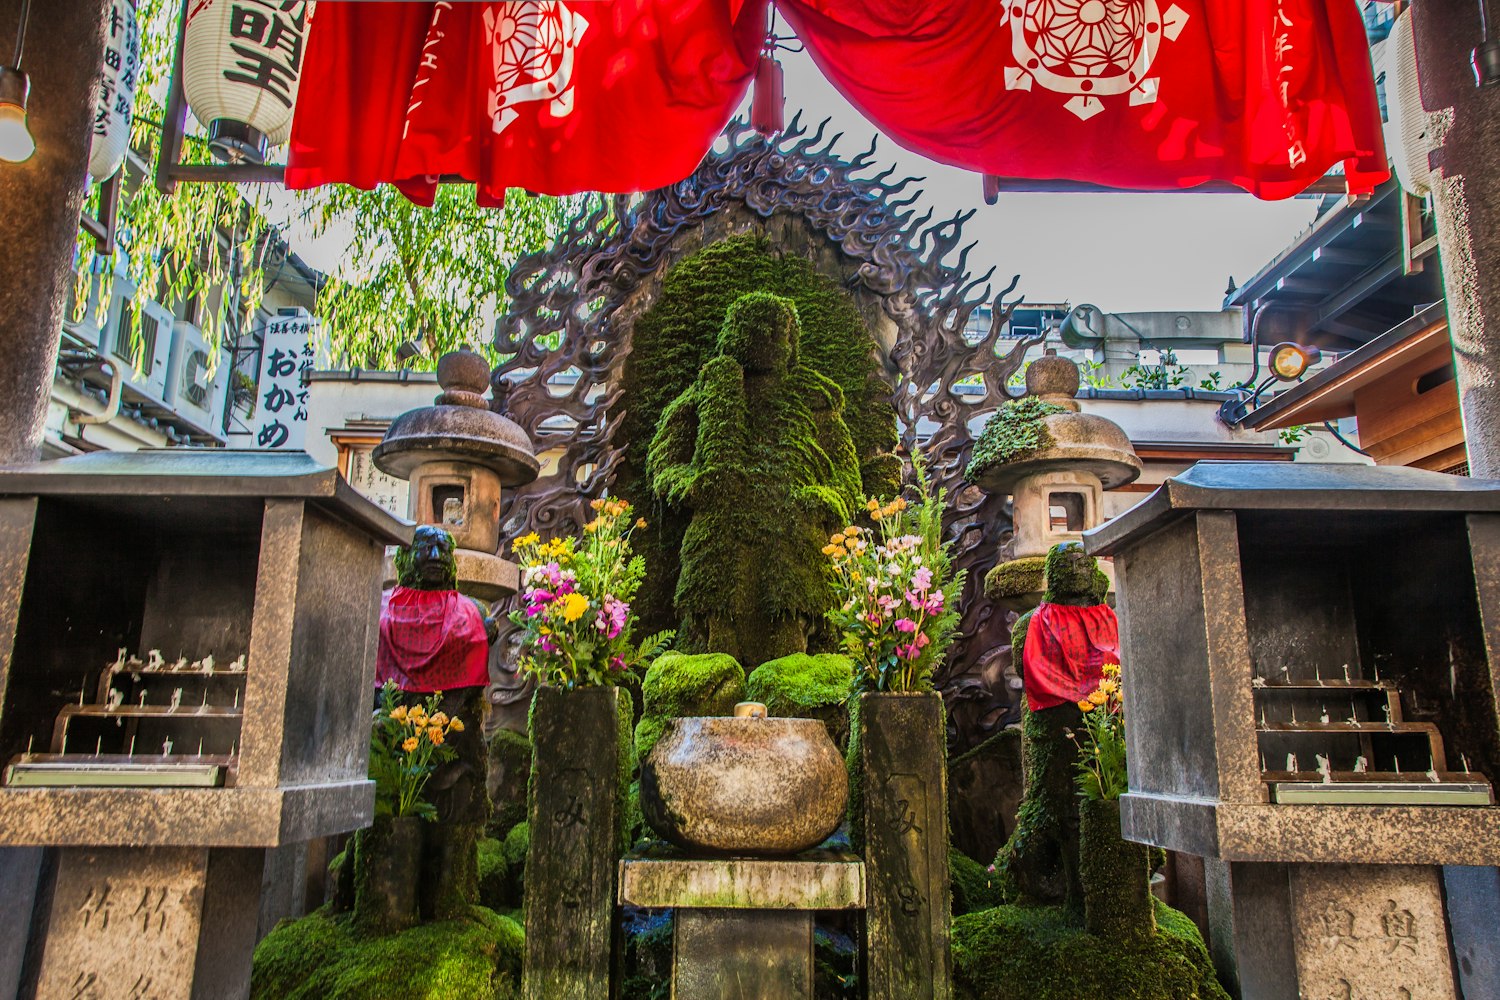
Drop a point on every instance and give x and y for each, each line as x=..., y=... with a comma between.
x=1057, y=485
x=458, y=456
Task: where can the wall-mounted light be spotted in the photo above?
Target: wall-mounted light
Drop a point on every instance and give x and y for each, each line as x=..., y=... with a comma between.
x=1291, y=361
x=16, y=143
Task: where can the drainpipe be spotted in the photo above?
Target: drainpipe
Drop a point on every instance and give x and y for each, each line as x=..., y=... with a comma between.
x=111, y=408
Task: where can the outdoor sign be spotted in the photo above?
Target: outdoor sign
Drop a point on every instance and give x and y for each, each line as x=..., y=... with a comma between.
x=281, y=405
x=117, y=78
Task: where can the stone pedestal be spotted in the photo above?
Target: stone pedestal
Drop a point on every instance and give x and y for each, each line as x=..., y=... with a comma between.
x=575, y=815
x=902, y=745
x=166, y=923
x=1343, y=932
x=743, y=928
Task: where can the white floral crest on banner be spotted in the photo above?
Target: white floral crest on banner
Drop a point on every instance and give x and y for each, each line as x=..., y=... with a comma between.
x=1088, y=49
x=533, y=44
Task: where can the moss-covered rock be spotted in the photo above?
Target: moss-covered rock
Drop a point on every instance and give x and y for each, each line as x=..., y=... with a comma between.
x=1017, y=431
x=974, y=887
x=855, y=767
x=1040, y=953
x=319, y=957
x=803, y=686
x=510, y=767
x=680, y=685
x=502, y=869
x=675, y=339
x=1016, y=578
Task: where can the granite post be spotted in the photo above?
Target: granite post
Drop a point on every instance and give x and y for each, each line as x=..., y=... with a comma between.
x=902, y=745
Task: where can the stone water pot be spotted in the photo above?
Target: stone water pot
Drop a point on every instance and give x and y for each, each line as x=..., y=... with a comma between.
x=744, y=785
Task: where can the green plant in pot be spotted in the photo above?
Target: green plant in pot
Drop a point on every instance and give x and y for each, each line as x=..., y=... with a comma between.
x=407, y=744
x=1116, y=874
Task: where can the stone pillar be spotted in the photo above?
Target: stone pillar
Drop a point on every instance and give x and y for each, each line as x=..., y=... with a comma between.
x=1466, y=198
x=40, y=200
x=902, y=740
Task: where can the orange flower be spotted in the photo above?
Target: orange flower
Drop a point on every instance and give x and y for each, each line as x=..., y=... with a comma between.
x=436, y=736
x=409, y=744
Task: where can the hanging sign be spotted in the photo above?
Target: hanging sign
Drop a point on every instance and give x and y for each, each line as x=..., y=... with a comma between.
x=117, y=80
x=281, y=410
x=241, y=66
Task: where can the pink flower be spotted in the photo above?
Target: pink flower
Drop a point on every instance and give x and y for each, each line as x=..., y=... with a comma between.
x=908, y=651
x=905, y=625
x=617, y=664
x=921, y=580
x=545, y=644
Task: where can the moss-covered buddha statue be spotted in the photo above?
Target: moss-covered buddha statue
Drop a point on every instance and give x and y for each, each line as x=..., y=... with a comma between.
x=756, y=451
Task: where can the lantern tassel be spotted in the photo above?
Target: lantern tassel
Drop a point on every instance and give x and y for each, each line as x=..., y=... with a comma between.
x=768, y=106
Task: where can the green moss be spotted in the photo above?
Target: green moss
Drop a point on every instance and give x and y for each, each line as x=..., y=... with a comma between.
x=1073, y=576
x=673, y=341
x=1039, y=953
x=647, y=732
x=681, y=685
x=757, y=455
x=1015, y=578
x=1016, y=432
x=1039, y=863
x=806, y=686
x=855, y=767
x=494, y=875
x=319, y=957
x=625, y=771
x=510, y=764
x=973, y=887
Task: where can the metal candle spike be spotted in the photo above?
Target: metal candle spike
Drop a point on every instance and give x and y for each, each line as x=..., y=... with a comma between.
x=98, y=746
x=1466, y=762
x=132, y=746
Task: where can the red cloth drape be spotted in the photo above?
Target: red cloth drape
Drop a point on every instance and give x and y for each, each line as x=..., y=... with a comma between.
x=431, y=640
x=1066, y=650
x=1265, y=94
x=550, y=96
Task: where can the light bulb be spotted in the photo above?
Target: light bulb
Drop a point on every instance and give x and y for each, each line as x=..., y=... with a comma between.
x=16, y=143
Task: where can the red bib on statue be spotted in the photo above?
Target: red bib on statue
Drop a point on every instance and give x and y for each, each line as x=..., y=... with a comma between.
x=431, y=640
x=1066, y=650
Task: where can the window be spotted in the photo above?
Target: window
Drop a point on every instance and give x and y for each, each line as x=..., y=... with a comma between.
x=1065, y=512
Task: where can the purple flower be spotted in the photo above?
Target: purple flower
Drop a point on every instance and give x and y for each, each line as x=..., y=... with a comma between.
x=545, y=644
x=921, y=580
x=905, y=625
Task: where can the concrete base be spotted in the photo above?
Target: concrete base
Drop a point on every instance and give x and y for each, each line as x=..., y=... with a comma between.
x=1341, y=932
x=742, y=955
x=170, y=923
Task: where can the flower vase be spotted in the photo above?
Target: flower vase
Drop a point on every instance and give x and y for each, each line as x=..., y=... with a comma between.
x=1116, y=875
x=901, y=771
x=387, y=860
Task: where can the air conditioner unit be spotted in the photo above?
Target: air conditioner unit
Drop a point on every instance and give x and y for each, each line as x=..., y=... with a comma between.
x=197, y=384
x=1406, y=133
x=154, y=348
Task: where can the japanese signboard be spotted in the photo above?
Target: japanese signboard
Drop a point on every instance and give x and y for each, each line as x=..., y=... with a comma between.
x=281, y=405
x=386, y=490
x=242, y=60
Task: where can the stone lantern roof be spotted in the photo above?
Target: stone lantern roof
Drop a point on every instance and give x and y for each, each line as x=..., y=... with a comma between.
x=459, y=427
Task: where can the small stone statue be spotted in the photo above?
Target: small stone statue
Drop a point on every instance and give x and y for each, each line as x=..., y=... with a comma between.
x=432, y=638
x=757, y=450
x=1061, y=648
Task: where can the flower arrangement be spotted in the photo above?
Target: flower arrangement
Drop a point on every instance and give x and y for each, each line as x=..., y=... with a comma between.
x=898, y=593
x=407, y=743
x=575, y=617
x=1101, y=759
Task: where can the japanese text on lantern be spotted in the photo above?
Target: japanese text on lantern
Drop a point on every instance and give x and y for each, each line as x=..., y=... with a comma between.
x=282, y=408
x=122, y=59
x=266, y=37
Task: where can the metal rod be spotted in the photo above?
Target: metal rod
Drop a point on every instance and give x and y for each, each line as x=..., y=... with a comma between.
x=21, y=31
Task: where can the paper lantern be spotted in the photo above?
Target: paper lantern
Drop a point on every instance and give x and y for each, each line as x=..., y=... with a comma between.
x=117, y=81
x=241, y=63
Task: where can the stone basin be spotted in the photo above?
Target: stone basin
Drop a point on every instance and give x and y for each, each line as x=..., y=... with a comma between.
x=753, y=786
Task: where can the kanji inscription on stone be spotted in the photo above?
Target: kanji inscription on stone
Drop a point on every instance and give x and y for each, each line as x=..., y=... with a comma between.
x=124, y=924
x=1371, y=932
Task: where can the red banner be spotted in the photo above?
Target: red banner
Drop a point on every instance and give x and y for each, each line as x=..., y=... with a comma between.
x=551, y=96
x=1150, y=94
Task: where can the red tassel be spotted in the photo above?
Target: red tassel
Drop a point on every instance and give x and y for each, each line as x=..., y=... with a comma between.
x=768, y=106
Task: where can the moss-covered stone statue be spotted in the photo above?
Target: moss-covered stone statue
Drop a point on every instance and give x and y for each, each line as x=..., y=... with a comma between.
x=432, y=638
x=1059, y=649
x=758, y=452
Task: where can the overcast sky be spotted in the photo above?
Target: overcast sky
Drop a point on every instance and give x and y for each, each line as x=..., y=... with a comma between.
x=1121, y=252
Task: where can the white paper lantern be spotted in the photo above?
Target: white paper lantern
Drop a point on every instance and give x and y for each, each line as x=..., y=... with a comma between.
x=117, y=82
x=241, y=63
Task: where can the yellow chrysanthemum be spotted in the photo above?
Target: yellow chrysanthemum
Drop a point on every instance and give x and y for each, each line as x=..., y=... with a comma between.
x=1085, y=706
x=1099, y=697
x=573, y=607
x=409, y=744
x=1109, y=685
x=851, y=531
x=1111, y=670
x=829, y=550
x=436, y=736
x=399, y=713
x=525, y=540
x=439, y=718
x=640, y=522
x=872, y=505
x=457, y=725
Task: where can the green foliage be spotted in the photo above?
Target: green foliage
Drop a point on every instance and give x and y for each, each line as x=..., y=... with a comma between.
x=1015, y=578
x=679, y=685
x=502, y=869
x=404, y=754
x=1293, y=434
x=675, y=339
x=510, y=755
x=321, y=956
x=1165, y=374
x=1015, y=432
x=1039, y=953
x=755, y=451
x=1101, y=742
x=974, y=886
